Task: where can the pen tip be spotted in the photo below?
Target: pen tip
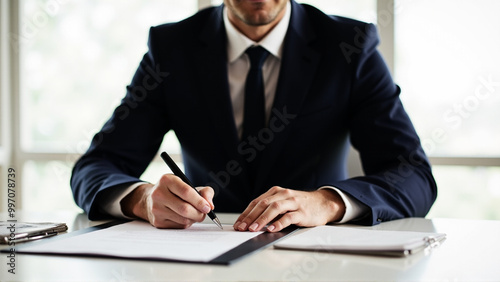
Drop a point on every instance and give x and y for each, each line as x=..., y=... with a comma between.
x=216, y=220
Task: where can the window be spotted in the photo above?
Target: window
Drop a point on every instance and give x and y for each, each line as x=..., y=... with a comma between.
x=65, y=64
x=75, y=59
x=446, y=61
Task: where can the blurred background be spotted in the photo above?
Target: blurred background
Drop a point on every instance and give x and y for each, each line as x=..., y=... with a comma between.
x=64, y=65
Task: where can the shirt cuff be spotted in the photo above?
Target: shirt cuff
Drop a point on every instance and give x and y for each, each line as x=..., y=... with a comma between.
x=353, y=208
x=111, y=204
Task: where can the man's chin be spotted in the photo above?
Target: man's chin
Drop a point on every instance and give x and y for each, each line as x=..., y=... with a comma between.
x=259, y=21
x=257, y=13
x=260, y=17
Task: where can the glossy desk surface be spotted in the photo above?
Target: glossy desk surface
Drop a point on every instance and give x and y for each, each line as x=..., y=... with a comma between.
x=471, y=252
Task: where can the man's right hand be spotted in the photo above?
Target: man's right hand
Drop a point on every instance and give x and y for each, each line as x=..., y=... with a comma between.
x=171, y=203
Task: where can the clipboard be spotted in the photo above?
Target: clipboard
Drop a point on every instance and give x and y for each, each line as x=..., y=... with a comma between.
x=18, y=232
x=338, y=239
x=233, y=255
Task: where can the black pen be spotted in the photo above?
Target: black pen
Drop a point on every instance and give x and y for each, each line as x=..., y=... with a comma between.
x=176, y=170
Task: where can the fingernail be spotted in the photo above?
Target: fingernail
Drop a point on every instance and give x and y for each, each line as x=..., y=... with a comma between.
x=253, y=227
x=242, y=226
x=236, y=224
x=206, y=209
x=271, y=228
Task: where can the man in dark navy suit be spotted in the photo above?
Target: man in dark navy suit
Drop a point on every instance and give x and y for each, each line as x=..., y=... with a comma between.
x=265, y=97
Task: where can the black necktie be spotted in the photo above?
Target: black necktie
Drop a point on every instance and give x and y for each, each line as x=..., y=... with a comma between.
x=254, y=118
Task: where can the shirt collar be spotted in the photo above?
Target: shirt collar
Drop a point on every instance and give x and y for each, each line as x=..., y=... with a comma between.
x=237, y=42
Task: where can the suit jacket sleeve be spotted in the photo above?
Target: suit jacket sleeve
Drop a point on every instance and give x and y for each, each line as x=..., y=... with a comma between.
x=398, y=181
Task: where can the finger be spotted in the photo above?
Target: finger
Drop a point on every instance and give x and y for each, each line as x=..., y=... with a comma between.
x=274, y=210
x=255, y=208
x=253, y=203
x=193, y=202
x=166, y=218
x=284, y=221
x=185, y=209
x=163, y=203
x=161, y=215
x=208, y=194
x=258, y=206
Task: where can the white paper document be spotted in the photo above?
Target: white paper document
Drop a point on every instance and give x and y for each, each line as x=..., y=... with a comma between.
x=137, y=239
x=364, y=241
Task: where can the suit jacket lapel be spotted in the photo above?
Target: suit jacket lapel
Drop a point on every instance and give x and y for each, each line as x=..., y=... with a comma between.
x=214, y=87
x=299, y=64
x=212, y=77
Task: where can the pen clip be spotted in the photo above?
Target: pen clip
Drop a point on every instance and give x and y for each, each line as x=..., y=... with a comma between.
x=34, y=237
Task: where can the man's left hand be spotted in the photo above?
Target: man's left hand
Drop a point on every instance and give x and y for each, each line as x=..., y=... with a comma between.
x=280, y=207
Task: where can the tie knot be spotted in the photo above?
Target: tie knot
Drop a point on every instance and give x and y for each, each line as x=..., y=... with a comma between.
x=257, y=55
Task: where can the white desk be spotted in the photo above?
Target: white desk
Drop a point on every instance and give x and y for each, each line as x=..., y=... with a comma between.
x=470, y=253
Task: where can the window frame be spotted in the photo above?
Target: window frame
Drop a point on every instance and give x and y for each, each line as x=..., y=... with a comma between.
x=9, y=82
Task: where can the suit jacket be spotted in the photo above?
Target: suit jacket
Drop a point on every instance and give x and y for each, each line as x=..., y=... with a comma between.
x=334, y=89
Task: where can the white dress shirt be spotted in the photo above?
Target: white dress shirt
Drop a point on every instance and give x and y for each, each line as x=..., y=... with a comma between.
x=238, y=66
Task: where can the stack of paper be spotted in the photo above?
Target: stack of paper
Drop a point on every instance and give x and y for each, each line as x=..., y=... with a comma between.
x=138, y=239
